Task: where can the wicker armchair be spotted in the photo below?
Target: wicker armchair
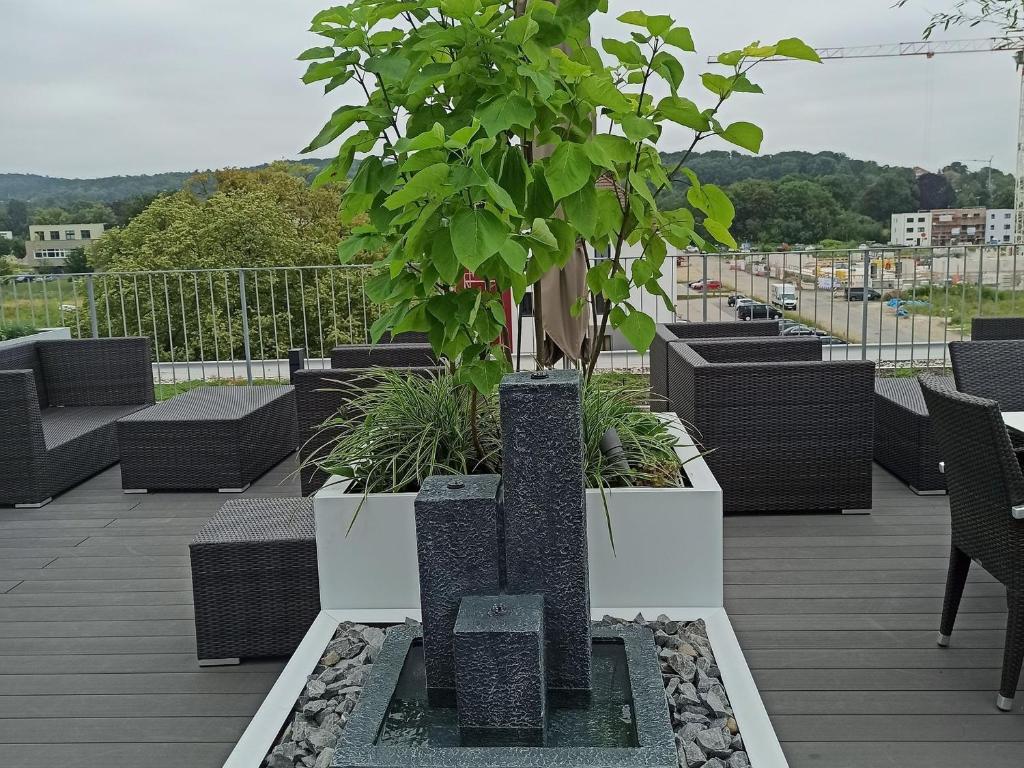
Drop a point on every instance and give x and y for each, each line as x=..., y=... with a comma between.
x=997, y=328
x=986, y=506
x=59, y=405
x=321, y=393
x=785, y=430
x=993, y=370
x=668, y=333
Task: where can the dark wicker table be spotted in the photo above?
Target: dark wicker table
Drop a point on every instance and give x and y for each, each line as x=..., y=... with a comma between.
x=904, y=443
x=210, y=437
x=254, y=579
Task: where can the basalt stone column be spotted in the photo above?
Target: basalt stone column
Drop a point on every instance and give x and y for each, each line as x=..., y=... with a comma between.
x=458, y=548
x=545, y=521
x=499, y=670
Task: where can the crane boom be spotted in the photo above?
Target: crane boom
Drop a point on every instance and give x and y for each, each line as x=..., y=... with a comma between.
x=930, y=48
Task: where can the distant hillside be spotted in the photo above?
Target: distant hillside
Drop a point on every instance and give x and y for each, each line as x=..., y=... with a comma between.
x=50, y=190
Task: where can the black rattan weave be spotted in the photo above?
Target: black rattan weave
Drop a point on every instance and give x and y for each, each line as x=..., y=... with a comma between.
x=904, y=443
x=667, y=333
x=985, y=482
x=997, y=328
x=254, y=579
x=785, y=430
x=990, y=369
x=45, y=449
x=383, y=356
x=209, y=437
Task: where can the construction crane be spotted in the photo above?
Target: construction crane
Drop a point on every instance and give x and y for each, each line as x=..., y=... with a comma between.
x=930, y=48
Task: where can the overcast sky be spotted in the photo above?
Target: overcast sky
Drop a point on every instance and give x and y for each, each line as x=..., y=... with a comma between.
x=106, y=87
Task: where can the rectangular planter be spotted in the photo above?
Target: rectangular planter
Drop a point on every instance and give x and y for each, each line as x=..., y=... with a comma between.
x=667, y=545
x=47, y=334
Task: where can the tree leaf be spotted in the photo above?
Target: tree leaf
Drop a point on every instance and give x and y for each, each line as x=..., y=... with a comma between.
x=505, y=112
x=637, y=128
x=514, y=255
x=637, y=327
x=681, y=38
x=666, y=65
x=684, y=112
x=342, y=119
x=476, y=234
x=720, y=232
x=794, y=48
x=628, y=53
x=442, y=256
x=313, y=54
x=746, y=135
x=568, y=169
x=581, y=209
x=423, y=184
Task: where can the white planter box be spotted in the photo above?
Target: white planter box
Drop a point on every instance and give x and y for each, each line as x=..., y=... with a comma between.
x=47, y=334
x=668, y=546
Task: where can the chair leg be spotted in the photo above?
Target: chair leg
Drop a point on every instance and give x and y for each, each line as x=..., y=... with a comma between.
x=1013, y=653
x=959, y=565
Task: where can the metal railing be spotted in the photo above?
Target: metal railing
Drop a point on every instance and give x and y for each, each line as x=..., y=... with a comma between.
x=917, y=299
x=240, y=323
x=208, y=323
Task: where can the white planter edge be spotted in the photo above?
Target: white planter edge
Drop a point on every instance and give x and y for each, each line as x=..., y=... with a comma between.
x=759, y=738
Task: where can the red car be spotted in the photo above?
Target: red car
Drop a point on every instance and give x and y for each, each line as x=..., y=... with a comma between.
x=713, y=285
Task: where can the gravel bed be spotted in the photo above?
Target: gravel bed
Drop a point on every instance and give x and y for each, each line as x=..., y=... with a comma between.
x=706, y=732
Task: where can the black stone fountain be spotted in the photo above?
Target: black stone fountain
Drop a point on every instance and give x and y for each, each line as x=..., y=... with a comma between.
x=507, y=670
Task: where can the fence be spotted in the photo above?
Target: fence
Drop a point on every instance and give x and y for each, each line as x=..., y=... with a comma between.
x=203, y=324
x=240, y=323
x=917, y=299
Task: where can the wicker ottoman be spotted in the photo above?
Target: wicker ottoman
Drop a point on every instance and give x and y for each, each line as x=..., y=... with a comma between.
x=254, y=580
x=210, y=437
x=903, y=435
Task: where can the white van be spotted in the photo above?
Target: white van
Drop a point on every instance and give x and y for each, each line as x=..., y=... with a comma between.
x=783, y=295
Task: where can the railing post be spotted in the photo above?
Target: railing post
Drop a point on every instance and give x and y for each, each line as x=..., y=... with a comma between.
x=704, y=282
x=91, y=293
x=866, y=303
x=245, y=326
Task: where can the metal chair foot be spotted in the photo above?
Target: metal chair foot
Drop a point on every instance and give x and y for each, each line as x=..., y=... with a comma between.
x=1004, y=703
x=219, y=662
x=35, y=505
x=942, y=640
x=243, y=489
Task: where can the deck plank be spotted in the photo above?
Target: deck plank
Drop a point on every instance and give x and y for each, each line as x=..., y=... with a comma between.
x=836, y=615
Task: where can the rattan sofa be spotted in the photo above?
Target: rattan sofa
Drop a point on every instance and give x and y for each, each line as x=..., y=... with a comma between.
x=320, y=393
x=60, y=400
x=669, y=333
x=997, y=328
x=785, y=431
x=986, y=506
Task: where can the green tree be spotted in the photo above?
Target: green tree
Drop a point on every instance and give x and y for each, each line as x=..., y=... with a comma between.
x=485, y=130
x=77, y=262
x=17, y=217
x=894, y=192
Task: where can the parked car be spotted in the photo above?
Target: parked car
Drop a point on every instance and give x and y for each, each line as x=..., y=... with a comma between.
x=803, y=330
x=734, y=298
x=830, y=341
x=786, y=323
x=858, y=294
x=713, y=285
x=755, y=311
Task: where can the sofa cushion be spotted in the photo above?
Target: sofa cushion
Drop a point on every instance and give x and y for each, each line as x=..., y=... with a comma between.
x=26, y=357
x=65, y=425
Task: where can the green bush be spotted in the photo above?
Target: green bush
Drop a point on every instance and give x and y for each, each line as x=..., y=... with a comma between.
x=16, y=331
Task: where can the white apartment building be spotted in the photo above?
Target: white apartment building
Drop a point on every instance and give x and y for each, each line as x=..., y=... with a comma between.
x=911, y=229
x=49, y=245
x=999, y=225
x=6, y=234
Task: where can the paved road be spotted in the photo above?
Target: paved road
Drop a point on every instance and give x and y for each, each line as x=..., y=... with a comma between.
x=919, y=337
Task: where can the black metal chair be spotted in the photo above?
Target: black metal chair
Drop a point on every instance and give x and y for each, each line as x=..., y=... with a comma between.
x=985, y=483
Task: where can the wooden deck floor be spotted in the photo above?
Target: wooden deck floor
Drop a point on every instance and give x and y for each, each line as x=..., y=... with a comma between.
x=837, y=616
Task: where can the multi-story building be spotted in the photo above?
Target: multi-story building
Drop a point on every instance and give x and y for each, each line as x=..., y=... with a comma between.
x=49, y=245
x=952, y=226
x=6, y=234
x=958, y=226
x=913, y=229
x=999, y=225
